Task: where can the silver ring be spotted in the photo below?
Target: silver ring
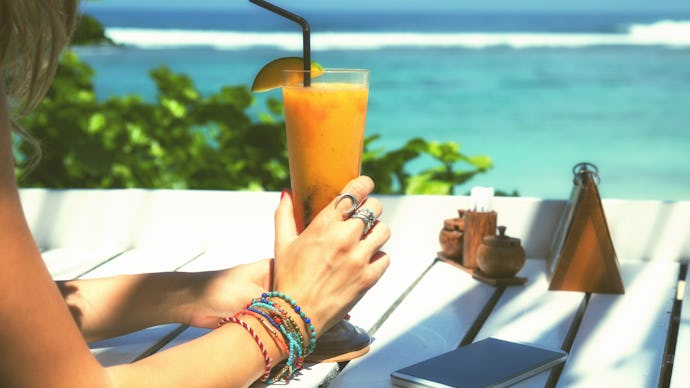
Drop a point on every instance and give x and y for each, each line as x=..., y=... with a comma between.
x=355, y=203
x=367, y=216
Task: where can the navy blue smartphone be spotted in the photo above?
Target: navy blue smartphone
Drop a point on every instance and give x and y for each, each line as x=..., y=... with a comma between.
x=490, y=362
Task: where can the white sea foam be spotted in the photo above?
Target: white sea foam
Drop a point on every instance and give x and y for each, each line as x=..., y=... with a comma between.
x=674, y=33
x=662, y=33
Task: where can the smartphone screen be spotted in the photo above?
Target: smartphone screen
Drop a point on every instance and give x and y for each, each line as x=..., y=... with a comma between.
x=490, y=362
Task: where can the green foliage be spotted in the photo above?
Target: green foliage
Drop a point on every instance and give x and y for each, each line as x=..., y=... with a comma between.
x=89, y=31
x=186, y=140
x=392, y=176
x=182, y=140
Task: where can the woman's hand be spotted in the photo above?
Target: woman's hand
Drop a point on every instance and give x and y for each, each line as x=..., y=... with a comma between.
x=218, y=294
x=329, y=266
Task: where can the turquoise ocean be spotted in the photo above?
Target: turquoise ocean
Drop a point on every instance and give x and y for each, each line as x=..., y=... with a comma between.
x=537, y=92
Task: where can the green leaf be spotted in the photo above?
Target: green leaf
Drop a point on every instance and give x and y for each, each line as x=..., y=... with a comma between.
x=174, y=107
x=481, y=161
x=96, y=123
x=424, y=184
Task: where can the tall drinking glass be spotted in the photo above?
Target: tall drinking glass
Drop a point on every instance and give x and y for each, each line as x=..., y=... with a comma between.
x=324, y=121
x=325, y=133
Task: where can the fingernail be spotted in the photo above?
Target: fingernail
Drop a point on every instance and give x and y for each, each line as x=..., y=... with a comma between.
x=282, y=193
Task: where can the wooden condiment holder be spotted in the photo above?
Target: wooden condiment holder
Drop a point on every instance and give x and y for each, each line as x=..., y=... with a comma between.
x=477, y=225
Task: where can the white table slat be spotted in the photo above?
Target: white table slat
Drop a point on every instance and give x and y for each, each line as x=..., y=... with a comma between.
x=401, y=274
x=431, y=320
x=649, y=229
x=146, y=260
x=243, y=220
x=634, y=327
x=220, y=257
x=521, y=309
x=69, y=263
x=78, y=218
x=680, y=378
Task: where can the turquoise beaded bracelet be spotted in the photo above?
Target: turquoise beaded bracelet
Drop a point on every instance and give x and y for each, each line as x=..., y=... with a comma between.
x=298, y=310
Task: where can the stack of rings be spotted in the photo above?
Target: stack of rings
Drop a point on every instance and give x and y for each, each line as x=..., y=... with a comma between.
x=365, y=214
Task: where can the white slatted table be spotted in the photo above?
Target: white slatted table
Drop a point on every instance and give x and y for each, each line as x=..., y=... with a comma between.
x=421, y=307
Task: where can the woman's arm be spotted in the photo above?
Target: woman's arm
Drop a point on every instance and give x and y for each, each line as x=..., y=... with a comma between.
x=42, y=346
x=112, y=306
x=227, y=357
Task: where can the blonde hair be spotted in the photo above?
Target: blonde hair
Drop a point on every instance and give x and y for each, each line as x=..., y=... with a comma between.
x=32, y=35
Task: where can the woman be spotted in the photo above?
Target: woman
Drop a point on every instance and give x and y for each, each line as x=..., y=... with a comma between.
x=46, y=325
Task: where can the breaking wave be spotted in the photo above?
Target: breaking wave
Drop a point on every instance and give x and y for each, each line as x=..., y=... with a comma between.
x=661, y=33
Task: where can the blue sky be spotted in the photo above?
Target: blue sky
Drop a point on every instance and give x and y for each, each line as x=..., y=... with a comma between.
x=459, y=5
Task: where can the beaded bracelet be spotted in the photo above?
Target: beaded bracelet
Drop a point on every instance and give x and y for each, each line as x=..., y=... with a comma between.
x=278, y=316
x=262, y=348
x=268, y=325
x=298, y=310
x=291, y=332
x=295, y=333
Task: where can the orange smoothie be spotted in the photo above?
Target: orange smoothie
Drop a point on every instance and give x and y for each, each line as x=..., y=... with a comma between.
x=325, y=133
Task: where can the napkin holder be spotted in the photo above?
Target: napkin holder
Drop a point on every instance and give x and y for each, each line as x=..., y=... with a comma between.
x=582, y=256
x=477, y=225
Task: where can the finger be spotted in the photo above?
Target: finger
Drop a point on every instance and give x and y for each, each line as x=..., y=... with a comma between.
x=375, y=239
x=372, y=204
x=378, y=264
x=285, y=227
x=359, y=188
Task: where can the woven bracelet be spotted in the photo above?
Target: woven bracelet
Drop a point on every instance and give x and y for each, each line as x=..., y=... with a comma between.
x=268, y=325
x=262, y=348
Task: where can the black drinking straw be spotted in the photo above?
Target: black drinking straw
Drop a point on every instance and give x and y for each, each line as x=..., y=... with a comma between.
x=306, y=49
